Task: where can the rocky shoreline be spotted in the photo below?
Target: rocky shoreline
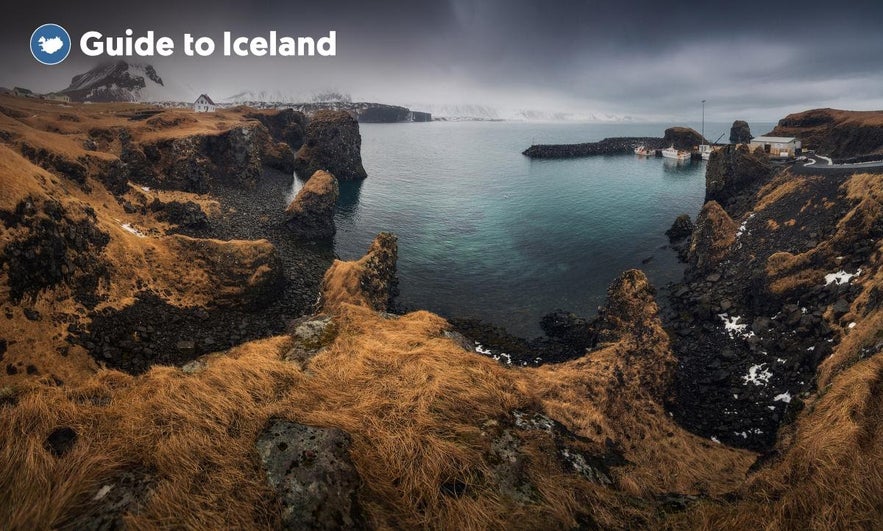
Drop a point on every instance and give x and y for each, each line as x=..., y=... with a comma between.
x=679, y=137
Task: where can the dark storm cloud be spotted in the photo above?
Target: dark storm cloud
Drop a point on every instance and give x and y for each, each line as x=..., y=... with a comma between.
x=640, y=58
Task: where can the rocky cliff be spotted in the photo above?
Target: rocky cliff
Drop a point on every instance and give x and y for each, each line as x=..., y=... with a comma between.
x=842, y=135
x=733, y=176
x=154, y=378
x=333, y=144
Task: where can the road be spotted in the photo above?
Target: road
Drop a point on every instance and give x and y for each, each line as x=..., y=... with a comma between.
x=817, y=165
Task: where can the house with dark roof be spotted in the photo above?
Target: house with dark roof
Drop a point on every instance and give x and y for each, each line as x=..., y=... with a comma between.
x=204, y=104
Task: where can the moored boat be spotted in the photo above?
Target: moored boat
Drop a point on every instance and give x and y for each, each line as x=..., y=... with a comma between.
x=644, y=152
x=677, y=154
x=705, y=150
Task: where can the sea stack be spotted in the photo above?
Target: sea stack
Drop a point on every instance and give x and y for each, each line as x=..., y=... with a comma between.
x=310, y=216
x=740, y=133
x=333, y=144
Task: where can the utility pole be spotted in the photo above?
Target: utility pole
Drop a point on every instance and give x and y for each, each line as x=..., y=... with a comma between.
x=703, y=120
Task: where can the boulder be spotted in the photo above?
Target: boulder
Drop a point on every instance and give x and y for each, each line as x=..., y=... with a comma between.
x=714, y=236
x=313, y=475
x=682, y=137
x=333, y=144
x=731, y=172
x=740, y=133
x=310, y=216
x=568, y=328
x=681, y=229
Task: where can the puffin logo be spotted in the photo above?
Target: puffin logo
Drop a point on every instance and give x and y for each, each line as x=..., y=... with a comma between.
x=50, y=44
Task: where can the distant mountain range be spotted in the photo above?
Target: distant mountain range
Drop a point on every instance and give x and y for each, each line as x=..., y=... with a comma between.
x=122, y=81
x=473, y=112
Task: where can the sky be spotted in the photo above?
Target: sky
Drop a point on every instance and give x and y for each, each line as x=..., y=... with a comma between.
x=633, y=59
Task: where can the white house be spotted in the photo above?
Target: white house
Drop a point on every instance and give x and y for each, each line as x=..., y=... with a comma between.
x=204, y=104
x=777, y=146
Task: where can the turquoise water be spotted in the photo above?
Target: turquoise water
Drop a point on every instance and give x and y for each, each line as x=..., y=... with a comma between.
x=485, y=232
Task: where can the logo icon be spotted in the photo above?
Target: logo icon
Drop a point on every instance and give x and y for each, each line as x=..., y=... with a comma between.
x=50, y=44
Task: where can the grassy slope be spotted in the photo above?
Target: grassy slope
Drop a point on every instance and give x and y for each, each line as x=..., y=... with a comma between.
x=417, y=405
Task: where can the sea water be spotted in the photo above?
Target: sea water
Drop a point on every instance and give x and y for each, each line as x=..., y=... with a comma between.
x=485, y=232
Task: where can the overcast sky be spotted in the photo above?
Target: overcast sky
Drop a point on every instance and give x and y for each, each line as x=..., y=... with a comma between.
x=647, y=60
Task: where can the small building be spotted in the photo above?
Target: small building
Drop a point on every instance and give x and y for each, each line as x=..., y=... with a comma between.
x=204, y=104
x=23, y=92
x=58, y=97
x=777, y=146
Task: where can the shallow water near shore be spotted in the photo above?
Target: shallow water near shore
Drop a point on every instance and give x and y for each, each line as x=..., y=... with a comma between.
x=485, y=232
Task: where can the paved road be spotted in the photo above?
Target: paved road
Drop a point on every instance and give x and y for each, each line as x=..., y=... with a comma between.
x=816, y=164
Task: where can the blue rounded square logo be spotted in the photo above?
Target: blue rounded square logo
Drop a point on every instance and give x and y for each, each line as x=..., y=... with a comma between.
x=50, y=44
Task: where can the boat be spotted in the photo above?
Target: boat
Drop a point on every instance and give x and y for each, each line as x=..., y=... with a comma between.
x=677, y=154
x=642, y=151
x=705, y=150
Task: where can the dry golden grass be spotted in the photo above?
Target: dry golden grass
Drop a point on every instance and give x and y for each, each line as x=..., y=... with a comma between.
x=415, y=404
x=216, y=273
x=830, y=476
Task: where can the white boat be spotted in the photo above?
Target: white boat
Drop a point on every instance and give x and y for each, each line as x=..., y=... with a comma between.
x=644, y=152
x=677, y=154
x=705, y=150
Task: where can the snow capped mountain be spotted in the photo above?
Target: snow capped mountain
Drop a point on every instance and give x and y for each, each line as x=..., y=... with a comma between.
x=265, y=96
x=122, y=81
x=467, y=112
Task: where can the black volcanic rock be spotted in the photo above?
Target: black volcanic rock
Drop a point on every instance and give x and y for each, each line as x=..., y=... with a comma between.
x=311, y=214
x=569, y=328
x=608, y=146
x=333, y=144
x=740, y=133
x=286, y=125
x=732, y=173
x=682, y=138
x=681, y=229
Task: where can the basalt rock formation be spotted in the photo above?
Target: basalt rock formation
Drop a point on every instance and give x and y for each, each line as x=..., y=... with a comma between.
x=333, y=144
x=681, y=228
x=310, y=216
x=842, y=135
x=682, y=138
x=608, y=146
x=166, y=391
x=740, y=132
x=733, y=175
x=370, y=281
x=712, y=238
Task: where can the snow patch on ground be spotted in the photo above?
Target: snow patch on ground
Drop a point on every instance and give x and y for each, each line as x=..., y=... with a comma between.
x=784, y=397
x=757, y=375
x=841, y=277
x=487, y=352
x=734, y=328
x=744, y=226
